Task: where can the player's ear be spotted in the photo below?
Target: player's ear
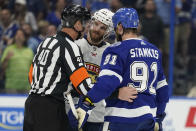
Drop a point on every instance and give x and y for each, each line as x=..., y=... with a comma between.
x=119, y=29
x=78, y=25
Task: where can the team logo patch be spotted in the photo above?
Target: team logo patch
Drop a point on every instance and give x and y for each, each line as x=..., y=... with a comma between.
x=93, y=71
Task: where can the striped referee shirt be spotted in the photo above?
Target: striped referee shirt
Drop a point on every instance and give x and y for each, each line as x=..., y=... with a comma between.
x=57, y=62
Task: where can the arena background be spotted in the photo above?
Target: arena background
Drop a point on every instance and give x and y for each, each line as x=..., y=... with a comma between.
x=173, y=31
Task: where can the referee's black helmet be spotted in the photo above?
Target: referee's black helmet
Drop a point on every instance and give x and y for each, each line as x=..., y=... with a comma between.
x=72, y=14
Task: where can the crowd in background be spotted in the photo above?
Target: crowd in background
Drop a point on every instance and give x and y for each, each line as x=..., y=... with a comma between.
x=25, y=23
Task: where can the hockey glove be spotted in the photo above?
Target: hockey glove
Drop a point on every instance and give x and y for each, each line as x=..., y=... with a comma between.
x=158, y=124
x=83, y=110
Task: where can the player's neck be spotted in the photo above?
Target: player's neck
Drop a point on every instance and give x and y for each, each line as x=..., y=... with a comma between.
x=129, y=35
x=70, y=32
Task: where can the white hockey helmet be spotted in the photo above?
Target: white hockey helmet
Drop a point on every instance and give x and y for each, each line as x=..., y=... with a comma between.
x=104, y=16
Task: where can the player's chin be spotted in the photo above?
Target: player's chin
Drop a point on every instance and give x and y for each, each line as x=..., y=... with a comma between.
x=95, y=35
x=96, y=40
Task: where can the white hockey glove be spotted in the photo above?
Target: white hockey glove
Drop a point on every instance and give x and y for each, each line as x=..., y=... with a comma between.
x=83, y=110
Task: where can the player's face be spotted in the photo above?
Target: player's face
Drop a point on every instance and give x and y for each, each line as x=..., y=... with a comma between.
x=97, y=31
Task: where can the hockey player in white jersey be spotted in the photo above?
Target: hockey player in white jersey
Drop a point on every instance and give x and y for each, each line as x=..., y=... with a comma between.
x=92, y=47
x=133, y=62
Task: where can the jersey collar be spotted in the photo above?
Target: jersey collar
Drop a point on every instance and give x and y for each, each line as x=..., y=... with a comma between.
x=63, y=34
x=136, y=38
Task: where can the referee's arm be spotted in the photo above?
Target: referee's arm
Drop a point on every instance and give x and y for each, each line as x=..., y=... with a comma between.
x=75, y=67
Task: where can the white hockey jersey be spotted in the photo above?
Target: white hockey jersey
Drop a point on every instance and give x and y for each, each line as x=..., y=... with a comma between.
x=92, y=56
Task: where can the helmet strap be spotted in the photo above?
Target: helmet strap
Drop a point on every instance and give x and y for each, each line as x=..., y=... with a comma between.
x=79, y=32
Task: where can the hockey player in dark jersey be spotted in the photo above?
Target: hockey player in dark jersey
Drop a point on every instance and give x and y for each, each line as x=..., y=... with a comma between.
x=92, y=47
x=133, y=62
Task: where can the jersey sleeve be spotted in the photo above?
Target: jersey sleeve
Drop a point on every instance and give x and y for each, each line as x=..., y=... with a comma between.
x=75, y=68
x=162, y=90
x=110, y=75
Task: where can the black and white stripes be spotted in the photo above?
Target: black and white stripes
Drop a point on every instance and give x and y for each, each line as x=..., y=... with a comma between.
x=58, y=60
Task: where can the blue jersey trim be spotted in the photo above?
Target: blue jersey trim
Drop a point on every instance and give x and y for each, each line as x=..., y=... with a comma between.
x=128, y=120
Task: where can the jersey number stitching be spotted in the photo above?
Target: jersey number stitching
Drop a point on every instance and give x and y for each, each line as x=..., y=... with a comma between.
x=139, y=72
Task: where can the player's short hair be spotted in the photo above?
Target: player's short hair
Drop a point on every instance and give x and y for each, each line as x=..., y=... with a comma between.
x=130, y=30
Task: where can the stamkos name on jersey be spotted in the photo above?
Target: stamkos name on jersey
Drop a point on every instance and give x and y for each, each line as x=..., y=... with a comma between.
x=144, y=52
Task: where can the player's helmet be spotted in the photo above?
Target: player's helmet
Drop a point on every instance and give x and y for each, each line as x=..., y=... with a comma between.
x=104, y=16
x=73, y=13
x=128, y=17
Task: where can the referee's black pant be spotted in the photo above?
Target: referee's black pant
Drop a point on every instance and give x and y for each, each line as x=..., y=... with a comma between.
x=45, y=113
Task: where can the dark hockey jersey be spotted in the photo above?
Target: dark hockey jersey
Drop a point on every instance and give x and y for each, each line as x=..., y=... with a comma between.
x=136, y=63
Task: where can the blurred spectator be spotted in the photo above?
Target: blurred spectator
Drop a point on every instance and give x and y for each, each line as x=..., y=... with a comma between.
x=32, y=39
x=99, y=4
x=2, y=81
x=28, y=30
x=24, y=16
x=184, y=26
x=152, y=25
x=181, y=84
x=16, y=61
x=8, y=28
x=54, y=17
x=139, y=5
x=155, y=28
x=164, y=11
x=51, y=30
x=43, y=25
x=4, y=4
x=192, y=48
x=115, y=5
x=49, y=5
x=140, y=33
x=34, y=42
x=129, y=3
x=38, y=8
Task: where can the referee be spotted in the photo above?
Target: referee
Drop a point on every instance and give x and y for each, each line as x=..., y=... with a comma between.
x=57, y=62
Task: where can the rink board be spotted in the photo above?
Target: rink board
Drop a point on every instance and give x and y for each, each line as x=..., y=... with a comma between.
x=181, y=113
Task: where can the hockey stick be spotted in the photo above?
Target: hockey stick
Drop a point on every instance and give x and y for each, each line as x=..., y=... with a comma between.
x=69, y=97
x=71, y=103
